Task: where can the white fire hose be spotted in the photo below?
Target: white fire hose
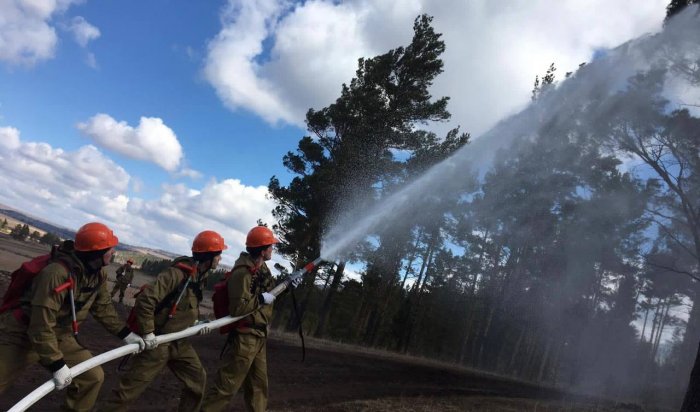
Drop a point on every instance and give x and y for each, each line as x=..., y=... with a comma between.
x=128, y=349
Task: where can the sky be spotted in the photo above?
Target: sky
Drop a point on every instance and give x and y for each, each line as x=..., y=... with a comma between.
x=164, y=118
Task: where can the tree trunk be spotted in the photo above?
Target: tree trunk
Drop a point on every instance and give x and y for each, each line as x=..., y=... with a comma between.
x=654, y=324
x=516, y=349
x=328, y=301
x=646, y=316
x=545, y=358
x=414, y=253
x=662, y=326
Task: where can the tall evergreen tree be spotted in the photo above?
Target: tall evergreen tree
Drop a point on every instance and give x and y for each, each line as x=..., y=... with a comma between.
x=349, y=151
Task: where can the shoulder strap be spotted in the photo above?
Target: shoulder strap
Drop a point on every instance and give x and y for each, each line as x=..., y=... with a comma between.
x=170, y=297
x=252, y=269
x=187, y=269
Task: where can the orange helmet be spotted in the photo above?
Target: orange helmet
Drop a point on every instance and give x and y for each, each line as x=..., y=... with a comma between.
x=131, y=262
x=208, y=241
x=260, y=236
x=94, y=236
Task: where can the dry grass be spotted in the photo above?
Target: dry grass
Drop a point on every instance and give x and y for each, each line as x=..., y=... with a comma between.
x=467, y=403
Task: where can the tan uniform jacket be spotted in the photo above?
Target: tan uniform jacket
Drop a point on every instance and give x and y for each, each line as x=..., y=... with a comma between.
x=244, y=291
x=168, y=281
x=50, y=312
x=125, y=275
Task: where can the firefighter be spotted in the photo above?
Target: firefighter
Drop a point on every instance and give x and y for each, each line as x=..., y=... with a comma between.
x=177, y=288
x=245, y=362
x=41, y=327
x=125, y=275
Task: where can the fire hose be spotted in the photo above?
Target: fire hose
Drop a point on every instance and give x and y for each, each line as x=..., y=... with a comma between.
x=128, y=349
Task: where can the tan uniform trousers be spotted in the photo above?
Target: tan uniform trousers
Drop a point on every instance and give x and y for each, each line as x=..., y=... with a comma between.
x=119, y=287
x=245, y=364
x=82, y=392
x=181, y=359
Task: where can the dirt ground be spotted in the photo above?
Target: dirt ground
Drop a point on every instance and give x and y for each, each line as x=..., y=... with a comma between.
x=333, y=377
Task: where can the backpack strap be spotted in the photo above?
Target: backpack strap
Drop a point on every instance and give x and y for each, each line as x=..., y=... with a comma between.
x=70, y=285
x=190, y=272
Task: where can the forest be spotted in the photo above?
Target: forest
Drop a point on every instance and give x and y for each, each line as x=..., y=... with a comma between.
x=570, y=259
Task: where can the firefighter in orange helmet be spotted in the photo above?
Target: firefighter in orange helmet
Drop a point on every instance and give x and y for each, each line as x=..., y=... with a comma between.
x=171, y=304
x=41, y=327
x=245, y=362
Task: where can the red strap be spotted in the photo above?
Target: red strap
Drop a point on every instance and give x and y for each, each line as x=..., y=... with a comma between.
x=190, y=270
x=69, y=284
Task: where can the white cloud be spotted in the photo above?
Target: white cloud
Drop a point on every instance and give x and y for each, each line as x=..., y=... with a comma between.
x=9, y=138
x=26, y=35
x=151, y=140
x=493, y=51
x=229, y=207
x=187, y=172
x=231, y=65
x=71, y=188
x=90, y=60
x=82, y=31
x=51, y=182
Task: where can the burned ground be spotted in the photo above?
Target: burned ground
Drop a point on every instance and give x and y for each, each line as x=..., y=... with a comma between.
x=333, y=377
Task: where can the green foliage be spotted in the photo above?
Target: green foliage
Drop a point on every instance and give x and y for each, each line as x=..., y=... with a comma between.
x=50, y=239
x=676, y=6
x=20, y=232
x=350, y=152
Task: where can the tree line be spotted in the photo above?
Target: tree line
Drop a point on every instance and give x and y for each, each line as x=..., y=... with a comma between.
x=23, y=233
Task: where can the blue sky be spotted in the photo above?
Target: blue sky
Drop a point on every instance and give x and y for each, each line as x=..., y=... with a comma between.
x=149, y=61
x=165, y=118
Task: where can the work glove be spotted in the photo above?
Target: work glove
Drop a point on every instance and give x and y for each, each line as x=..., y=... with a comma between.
x=62, y=377
x=150, y=341
x=134, y=338
x=296, y=281
x=267, y=298
x=128, y=285
x=205, y=330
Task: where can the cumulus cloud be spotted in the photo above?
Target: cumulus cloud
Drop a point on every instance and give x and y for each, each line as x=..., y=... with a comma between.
x=493, y=52
x=9, y=138
x=51, y=182
x=82, y=31
x=69, y=188
x=229, y=207
x=151, y=140
x=26, y=33
x=187, y=172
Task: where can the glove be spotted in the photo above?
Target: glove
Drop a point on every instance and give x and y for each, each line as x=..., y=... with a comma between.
x=267, y=298
x=62, y=377
x=128, y=285
x=150, y=341
x=296, y=281
x=134, y=338
x=205, y=330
